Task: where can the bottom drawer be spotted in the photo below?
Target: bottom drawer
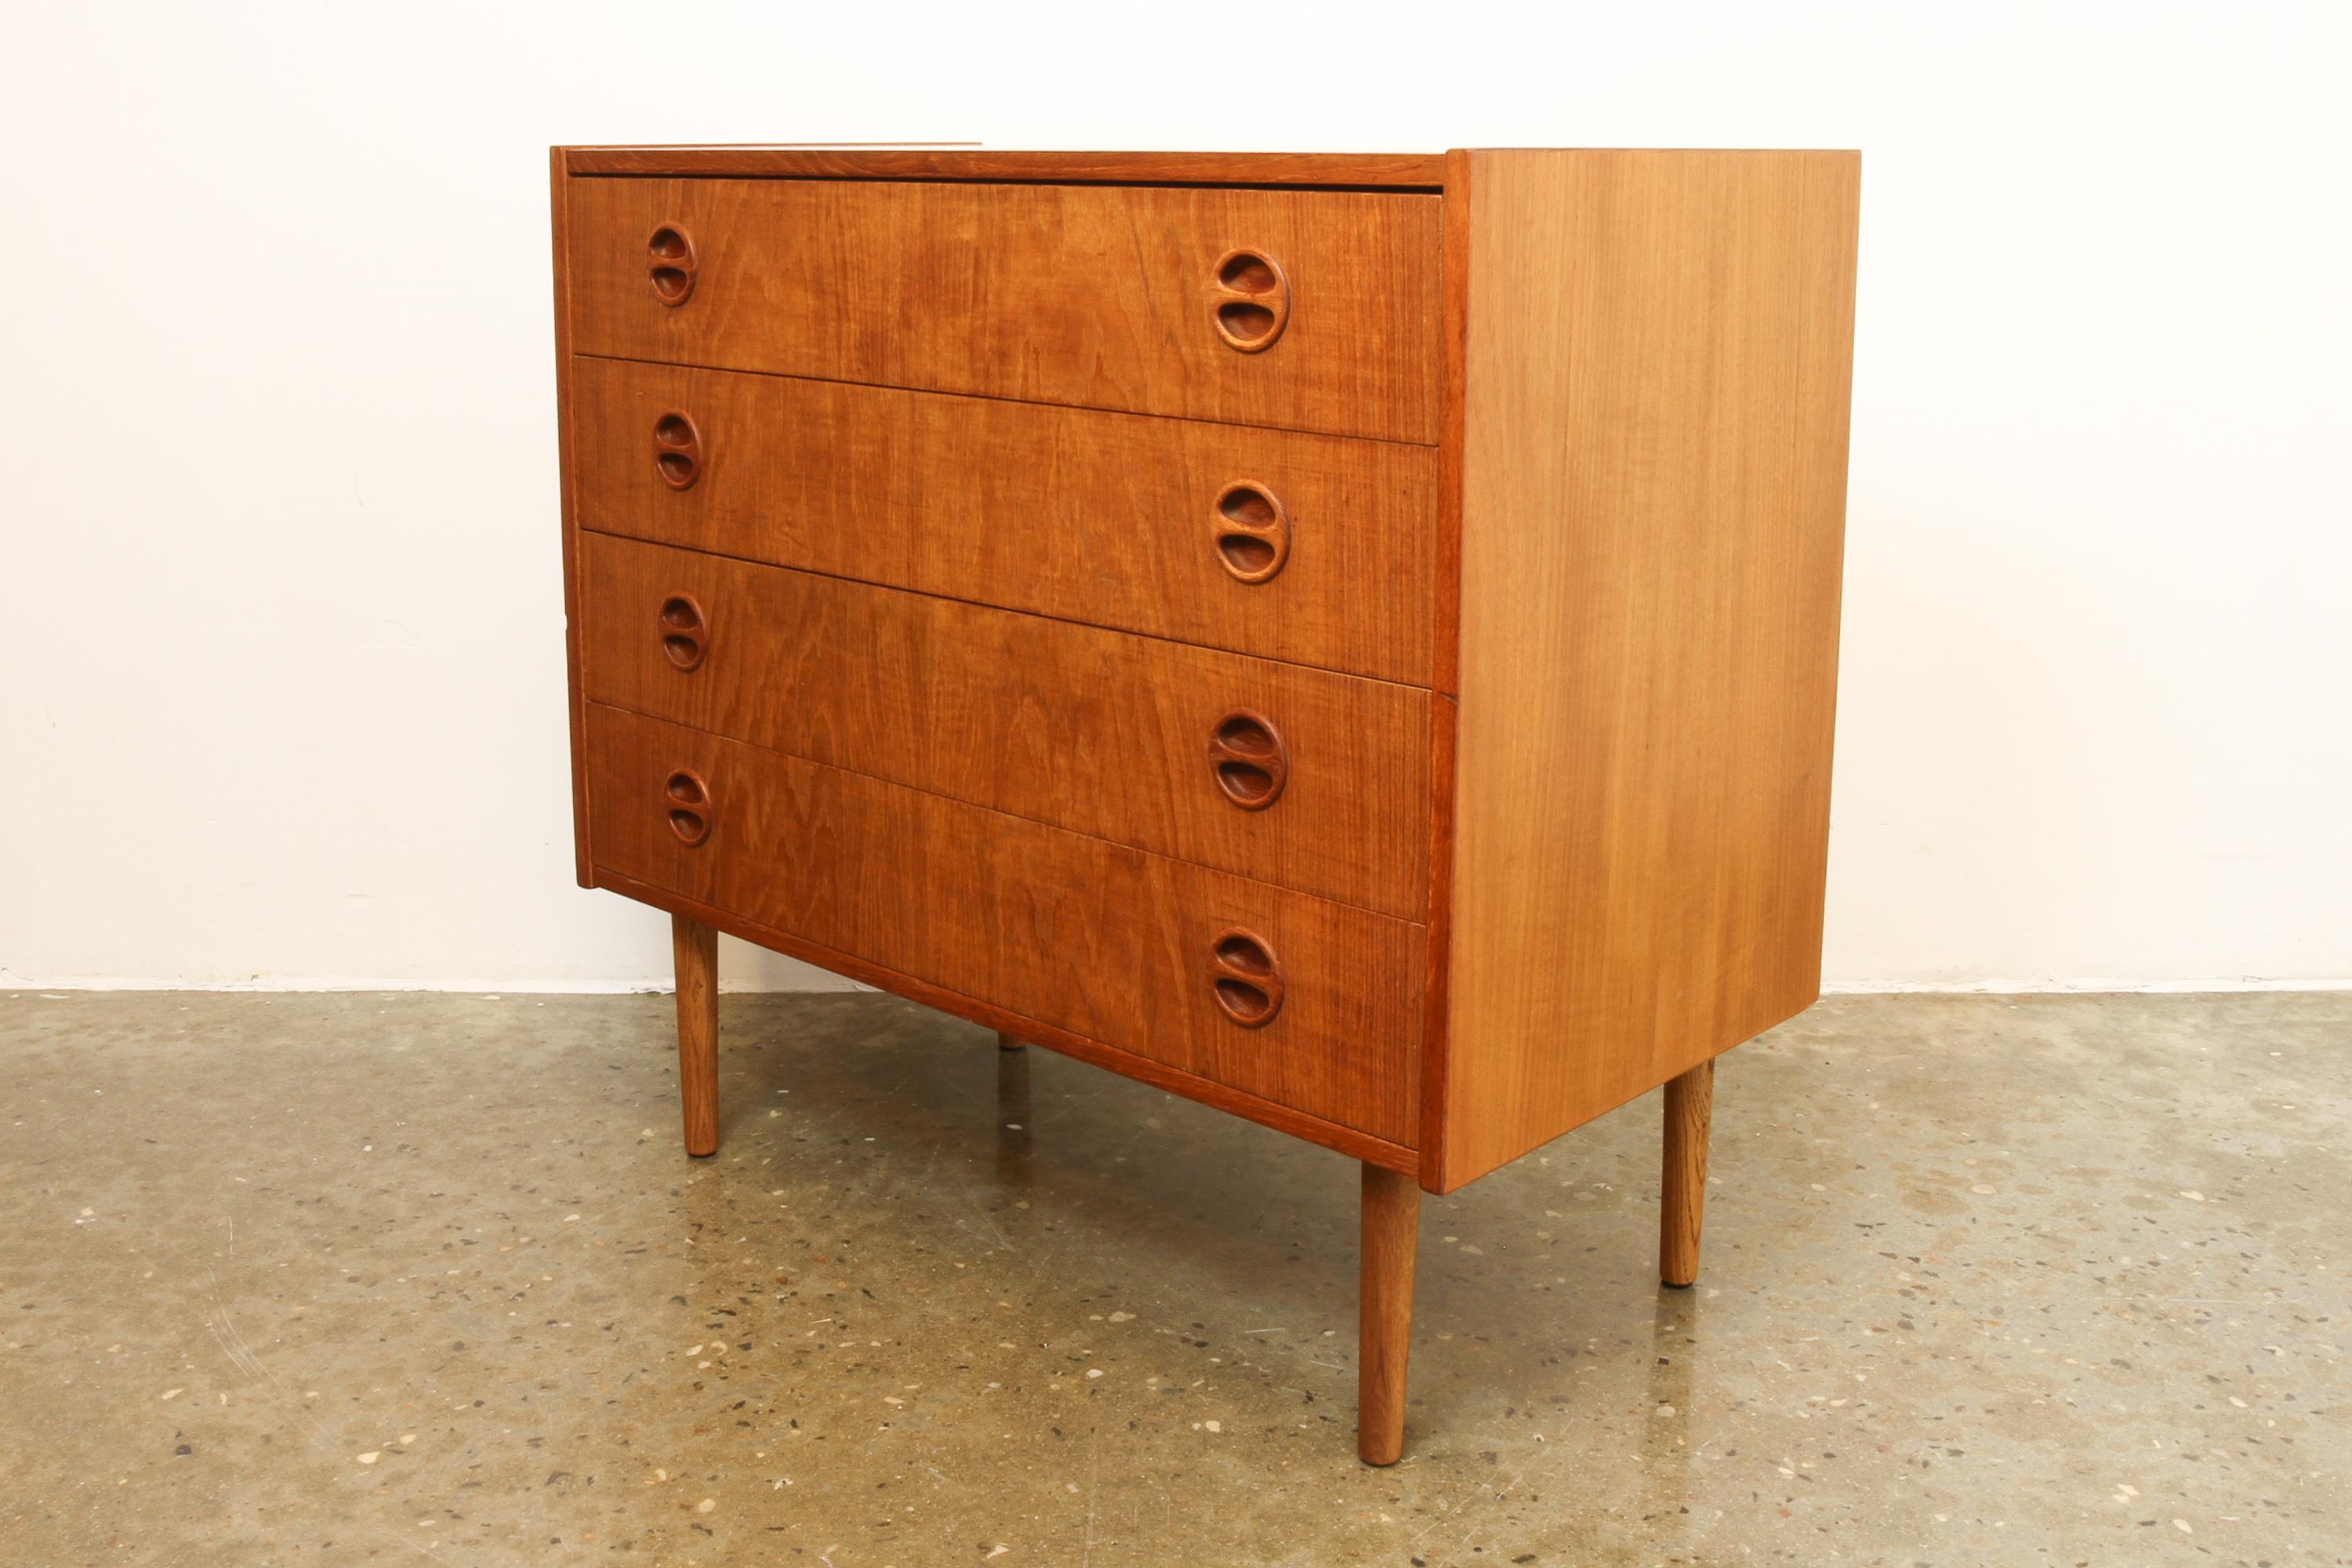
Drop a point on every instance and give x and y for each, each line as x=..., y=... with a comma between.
x=1310, y=1004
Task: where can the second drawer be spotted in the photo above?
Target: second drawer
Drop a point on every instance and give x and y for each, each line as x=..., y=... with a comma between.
x=1294, y=776
x=1309, y=549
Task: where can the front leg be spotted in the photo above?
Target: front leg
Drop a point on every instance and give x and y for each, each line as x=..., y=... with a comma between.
x=1391, y=1233
x=696, y=949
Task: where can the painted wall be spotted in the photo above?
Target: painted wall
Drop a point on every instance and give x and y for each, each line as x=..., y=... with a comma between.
x=278, y=582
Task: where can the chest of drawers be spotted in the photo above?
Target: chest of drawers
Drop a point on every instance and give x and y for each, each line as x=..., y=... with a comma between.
x=1350, y=640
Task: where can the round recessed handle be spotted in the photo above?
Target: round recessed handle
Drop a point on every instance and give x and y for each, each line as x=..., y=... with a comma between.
x=1246, y=977
x=1251, y=529
x=687, y=800
x=671, y=264
x=1248, y=759
x=1249, y=300
x=685, y=633
x=678, y=449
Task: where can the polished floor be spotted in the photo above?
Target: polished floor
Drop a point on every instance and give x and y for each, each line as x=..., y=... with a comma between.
x=354, y=1279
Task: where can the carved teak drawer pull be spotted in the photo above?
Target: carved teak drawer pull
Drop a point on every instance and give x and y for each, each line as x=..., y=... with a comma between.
x=685, y=633
x=687, y=800
x=1250, y=761
x=1251, y=529
x=1247, y=976
x=671, y=264
x=1249, y=300
x=678, y=450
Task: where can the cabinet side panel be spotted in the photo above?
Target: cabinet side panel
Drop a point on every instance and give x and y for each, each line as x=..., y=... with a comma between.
x=1652, y=494
x=560, y=187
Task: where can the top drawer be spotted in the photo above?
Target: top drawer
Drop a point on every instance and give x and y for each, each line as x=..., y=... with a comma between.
x=1305, y=309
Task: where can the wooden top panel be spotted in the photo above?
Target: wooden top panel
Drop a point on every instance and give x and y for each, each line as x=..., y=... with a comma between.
x=1406, y=169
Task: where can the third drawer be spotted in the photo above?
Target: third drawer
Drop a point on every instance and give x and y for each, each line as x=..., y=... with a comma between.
x=1297, y=778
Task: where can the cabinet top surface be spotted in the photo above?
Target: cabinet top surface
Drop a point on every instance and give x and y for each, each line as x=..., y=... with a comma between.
x=970, y=161
x=951, y=162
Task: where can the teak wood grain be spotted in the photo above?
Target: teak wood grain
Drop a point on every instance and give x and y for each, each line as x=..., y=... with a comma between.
x=1096, y=939
x=1099, y=296
x=1083, y=729
x=1074, y=514
x=1656, y=382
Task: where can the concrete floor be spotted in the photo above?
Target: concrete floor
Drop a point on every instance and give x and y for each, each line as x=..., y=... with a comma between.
x=328, y=1279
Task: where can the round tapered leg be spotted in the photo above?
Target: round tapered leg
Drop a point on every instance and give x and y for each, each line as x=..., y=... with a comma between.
x=1682, y=1191
x=1392, y=1229
x=695, y=946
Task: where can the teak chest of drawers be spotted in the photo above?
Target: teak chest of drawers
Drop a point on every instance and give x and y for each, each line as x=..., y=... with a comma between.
x=1350, y=640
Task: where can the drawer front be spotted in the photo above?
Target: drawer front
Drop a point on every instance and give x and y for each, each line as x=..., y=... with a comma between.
x=1305, y=309
x=1112, y=518
x=1146, y=742
x=1103, y=940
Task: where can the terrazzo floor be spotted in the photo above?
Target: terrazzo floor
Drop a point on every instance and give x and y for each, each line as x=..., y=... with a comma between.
x=356, y=1279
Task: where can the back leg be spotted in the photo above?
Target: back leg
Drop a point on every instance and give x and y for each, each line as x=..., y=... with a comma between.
x=1690, y=1108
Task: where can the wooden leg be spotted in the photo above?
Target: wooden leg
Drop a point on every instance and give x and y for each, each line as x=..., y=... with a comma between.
x=1005, y=1042
x=1392, y=1222
x=1690, y=1107
x=696, y=947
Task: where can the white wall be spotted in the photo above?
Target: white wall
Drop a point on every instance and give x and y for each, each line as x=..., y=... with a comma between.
x=283, y=666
